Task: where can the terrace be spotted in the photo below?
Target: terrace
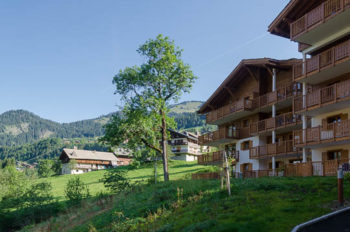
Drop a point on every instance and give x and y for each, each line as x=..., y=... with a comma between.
x=223, y=135
x=284, y=122
x=275, y=149
x=324, y=66
x=336, y=133
x=215, y=158
x=320, y=22
x=246, y=107
x=330, y=98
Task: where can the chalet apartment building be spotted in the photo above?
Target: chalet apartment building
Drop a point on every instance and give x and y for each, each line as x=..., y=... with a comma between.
x=185, y=146
x=289, y=117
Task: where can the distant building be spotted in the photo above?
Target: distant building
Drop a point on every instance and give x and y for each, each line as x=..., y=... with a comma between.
x=123, y=155
x=86, y=161
x=185, y=146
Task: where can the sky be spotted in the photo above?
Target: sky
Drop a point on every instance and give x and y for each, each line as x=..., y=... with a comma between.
x=58, y=58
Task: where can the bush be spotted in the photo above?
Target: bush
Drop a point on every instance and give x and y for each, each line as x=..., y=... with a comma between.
x=347, y=177
x=76, y=190
x=135, y=164
x=115, y=180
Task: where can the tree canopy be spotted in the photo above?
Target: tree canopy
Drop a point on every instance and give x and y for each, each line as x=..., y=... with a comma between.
x=147, y=91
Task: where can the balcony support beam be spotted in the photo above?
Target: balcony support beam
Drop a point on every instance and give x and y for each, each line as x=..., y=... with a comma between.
x=304, y=155
x=273, y=165
x=274, y=78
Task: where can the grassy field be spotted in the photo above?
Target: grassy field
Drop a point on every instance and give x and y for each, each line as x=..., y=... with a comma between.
x=177, y=170
x=266, y=204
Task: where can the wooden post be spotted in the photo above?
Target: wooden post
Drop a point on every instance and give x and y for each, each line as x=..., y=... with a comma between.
x=227, y=174
x=340, y=187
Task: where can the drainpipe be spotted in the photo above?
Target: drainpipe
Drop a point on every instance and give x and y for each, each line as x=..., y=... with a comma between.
x=274, y=77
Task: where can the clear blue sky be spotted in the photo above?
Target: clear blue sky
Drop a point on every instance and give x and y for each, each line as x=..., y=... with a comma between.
x=57, y=58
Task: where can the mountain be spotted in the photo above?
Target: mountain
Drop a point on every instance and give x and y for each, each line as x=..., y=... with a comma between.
x=21, y=127
x=18, y=127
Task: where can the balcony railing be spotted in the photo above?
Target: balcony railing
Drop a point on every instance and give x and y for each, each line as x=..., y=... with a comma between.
x=281, y=94
x=322, y=134
x=324, y=60
x=318, y=15
x=280, y=121
x=268, y=150
x=217, y=157
x=177, y=142
x=331, y=94
x=222, y=134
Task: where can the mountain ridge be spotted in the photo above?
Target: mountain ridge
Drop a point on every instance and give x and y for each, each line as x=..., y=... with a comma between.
x=19, y=127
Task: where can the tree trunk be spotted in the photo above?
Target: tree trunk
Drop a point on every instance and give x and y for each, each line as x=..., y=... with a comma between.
x=164, y=150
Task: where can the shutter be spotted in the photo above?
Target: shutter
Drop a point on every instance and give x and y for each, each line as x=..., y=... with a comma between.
x=324, y=124
x=241, y=167
x=250, y=144
x=344, y=117
x=241, y=146
x=324, y=156
x=344, y=155
x=250, y=166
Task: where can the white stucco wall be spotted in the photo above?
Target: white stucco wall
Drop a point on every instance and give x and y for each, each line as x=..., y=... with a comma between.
x=244, y=154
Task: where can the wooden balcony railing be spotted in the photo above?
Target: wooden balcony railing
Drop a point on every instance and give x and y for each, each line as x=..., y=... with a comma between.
x=316, y=135
x=324, y=60
x=331, y=94
x=318, y=15
x=241, y=105
x=318, y=168
x=268, y=150
x=217, y=157
x=283, y=120
x=281, y=94
x=223, y=133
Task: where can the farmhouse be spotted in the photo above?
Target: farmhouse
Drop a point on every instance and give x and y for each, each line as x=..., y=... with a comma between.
x=76, y=161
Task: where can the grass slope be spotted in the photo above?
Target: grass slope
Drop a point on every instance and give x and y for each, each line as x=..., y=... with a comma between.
x=266, y=204
x=177, y=170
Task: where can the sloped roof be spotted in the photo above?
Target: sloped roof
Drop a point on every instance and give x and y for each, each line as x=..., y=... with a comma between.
x=240, y=72
x=291, y=12
x=89, y=155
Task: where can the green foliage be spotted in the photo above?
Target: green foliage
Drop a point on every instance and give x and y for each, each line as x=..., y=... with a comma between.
x=147, y=91
x=7, y=162
x=48, y=149
x=45, y=168
x=19, y=127
x=76, y=190
x=115, y=180
x=135, y=164
x=347, y=177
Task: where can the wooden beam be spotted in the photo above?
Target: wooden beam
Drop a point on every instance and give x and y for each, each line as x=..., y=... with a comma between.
x=256, y=77
x=229, y=91
x=269, y=70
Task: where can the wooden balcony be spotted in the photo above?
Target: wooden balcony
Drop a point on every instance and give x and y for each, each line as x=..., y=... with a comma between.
x=223, y=135
x=217, y=158
x=269, y=150
x=316, y=136
x=279, y=122
x=246, y=107
x=317, y=17
x=334, y=97
x=320, y=67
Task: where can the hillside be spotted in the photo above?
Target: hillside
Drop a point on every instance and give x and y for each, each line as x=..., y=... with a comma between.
x=18, y=127
x=265, y=204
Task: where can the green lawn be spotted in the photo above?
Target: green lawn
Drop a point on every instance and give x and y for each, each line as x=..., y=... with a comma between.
x=266, y=204
x=177, y=170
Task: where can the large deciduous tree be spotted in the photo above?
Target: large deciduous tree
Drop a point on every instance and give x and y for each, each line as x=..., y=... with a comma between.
x=147, y=90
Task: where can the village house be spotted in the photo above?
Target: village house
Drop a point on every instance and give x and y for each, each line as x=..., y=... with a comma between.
x=185, y=146
x=289, y=117
x=76, y=161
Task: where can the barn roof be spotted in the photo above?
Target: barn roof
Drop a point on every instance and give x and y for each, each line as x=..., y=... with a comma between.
x=89, y=155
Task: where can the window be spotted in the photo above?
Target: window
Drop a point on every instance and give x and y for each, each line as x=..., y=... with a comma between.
x=334, y=119
x=246, y=145
x=246, y=123
x=333, y=155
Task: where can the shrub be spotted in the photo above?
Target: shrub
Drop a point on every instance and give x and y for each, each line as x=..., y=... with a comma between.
x=347, y=177
x=135, y=164
x=115, y=180
x=76, y=190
